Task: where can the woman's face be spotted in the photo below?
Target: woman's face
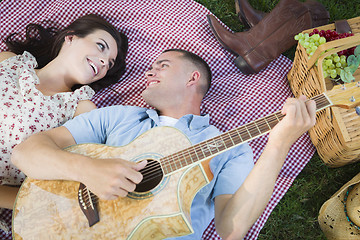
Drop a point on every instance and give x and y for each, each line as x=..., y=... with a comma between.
x=89, y=58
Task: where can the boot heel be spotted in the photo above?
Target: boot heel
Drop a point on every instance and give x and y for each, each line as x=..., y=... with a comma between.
x=244, y=67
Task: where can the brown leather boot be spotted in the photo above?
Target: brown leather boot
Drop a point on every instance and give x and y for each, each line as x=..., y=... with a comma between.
x=248, y=16
x=273, y=35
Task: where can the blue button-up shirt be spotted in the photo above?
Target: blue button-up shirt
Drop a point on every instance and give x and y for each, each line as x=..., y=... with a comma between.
x=120, y=125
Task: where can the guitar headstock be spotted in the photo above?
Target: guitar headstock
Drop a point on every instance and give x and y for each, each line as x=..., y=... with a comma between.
x=346, y=95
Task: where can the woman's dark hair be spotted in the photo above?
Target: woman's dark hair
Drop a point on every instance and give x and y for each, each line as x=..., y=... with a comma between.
x=45, y=44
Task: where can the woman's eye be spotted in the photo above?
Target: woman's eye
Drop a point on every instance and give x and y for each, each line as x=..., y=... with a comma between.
x=101, y=46
x=164, y=65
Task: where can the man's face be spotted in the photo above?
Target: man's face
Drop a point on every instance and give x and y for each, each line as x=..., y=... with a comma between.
x=166, y=80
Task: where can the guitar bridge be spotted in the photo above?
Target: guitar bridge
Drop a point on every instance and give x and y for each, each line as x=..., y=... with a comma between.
x=88, y=204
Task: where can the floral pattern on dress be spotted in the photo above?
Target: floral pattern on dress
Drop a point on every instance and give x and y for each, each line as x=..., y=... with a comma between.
x=24, y=110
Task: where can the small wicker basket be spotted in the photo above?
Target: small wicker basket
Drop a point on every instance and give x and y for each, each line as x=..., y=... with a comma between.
x=336, y=134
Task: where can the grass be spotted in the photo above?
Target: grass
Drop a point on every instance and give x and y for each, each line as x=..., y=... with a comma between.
x=295, y=217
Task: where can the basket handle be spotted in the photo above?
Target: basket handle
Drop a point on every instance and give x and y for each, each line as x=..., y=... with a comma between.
x=338, y=45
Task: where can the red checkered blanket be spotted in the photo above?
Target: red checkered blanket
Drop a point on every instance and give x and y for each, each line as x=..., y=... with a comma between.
x=153, y=26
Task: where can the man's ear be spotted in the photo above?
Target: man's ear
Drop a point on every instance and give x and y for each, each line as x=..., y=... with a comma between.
x=194, y=78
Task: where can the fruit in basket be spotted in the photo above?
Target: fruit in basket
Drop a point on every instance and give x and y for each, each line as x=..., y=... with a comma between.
x=340, y=65
x=353, y=62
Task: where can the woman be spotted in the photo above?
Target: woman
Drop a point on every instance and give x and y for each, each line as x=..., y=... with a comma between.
x=49, y=83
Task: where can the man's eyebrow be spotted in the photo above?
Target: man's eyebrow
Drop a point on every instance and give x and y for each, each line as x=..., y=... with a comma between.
x=159, y=62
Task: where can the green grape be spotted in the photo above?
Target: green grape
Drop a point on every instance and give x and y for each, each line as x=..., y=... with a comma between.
x=316, y=37
x=328, y=62
x=332, y=66
x=322, y=40
x=333, y=75
x=338, y=65
x=336, y=58
x=325, y=67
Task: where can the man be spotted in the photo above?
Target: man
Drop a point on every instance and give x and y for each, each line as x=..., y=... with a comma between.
x=176, y=84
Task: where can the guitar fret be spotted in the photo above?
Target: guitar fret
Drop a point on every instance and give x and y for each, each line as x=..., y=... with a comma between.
x=194, y=149
x=253, y=128
x=267, y=123
x=245, y=134
x=222, y=145
x=238, y=133
x=205, y=149
x=190, y=155
x=233, y=144
x=263, y=126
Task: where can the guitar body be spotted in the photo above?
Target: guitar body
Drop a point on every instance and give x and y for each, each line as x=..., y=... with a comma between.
x=50, y=209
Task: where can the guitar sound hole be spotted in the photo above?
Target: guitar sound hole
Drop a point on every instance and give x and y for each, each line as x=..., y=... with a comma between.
x=152, y=176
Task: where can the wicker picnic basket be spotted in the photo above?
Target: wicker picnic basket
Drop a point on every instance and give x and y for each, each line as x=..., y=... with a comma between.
x=336, y=134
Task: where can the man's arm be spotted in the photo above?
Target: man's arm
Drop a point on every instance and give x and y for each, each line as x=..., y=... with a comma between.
x=235, y=214
x=42, y=157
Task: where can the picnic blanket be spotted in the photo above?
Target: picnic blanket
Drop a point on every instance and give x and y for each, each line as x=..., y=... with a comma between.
x=153, y=26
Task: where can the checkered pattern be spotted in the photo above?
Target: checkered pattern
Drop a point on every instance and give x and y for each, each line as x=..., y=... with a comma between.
x=153, y=26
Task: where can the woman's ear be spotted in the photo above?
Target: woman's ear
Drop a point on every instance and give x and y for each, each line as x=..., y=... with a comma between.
x=69, y=38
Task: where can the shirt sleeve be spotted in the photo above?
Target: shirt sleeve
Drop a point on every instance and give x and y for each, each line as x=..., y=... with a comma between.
x=90, y=127
x=233, y=168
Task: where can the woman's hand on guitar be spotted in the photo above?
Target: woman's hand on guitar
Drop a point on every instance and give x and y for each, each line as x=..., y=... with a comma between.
x=112, y=178
x=300, y=116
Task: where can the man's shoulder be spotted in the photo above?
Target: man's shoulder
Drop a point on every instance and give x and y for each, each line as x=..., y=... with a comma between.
x=122, y=109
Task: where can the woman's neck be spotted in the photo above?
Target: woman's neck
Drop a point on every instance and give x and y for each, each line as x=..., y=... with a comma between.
x=51, y=80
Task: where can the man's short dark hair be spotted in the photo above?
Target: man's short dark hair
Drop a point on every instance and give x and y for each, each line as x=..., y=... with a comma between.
x=200, y=63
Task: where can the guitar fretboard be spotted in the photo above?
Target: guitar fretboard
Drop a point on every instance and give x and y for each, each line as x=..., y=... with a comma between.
x=228, y=140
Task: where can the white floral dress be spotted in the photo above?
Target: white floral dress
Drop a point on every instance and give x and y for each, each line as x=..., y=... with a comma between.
x=24, y=110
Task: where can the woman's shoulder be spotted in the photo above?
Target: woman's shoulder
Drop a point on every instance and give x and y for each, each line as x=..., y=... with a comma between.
x=6, y=55
x=84, y=106
x=12, y=58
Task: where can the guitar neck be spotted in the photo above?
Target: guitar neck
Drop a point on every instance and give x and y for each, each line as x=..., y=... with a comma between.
x=214, y=146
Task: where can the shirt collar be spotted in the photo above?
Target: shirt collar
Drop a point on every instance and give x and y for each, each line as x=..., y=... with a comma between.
x=191, y=121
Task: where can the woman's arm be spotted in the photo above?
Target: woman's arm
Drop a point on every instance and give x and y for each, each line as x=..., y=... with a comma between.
x=8, y=196
x=84, y=106
x=41, y=156
x=6, y=55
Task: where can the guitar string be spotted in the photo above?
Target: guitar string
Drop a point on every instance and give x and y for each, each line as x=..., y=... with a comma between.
x=321, y=103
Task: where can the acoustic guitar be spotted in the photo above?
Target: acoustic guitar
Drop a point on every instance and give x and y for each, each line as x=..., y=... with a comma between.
x=160, y=205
